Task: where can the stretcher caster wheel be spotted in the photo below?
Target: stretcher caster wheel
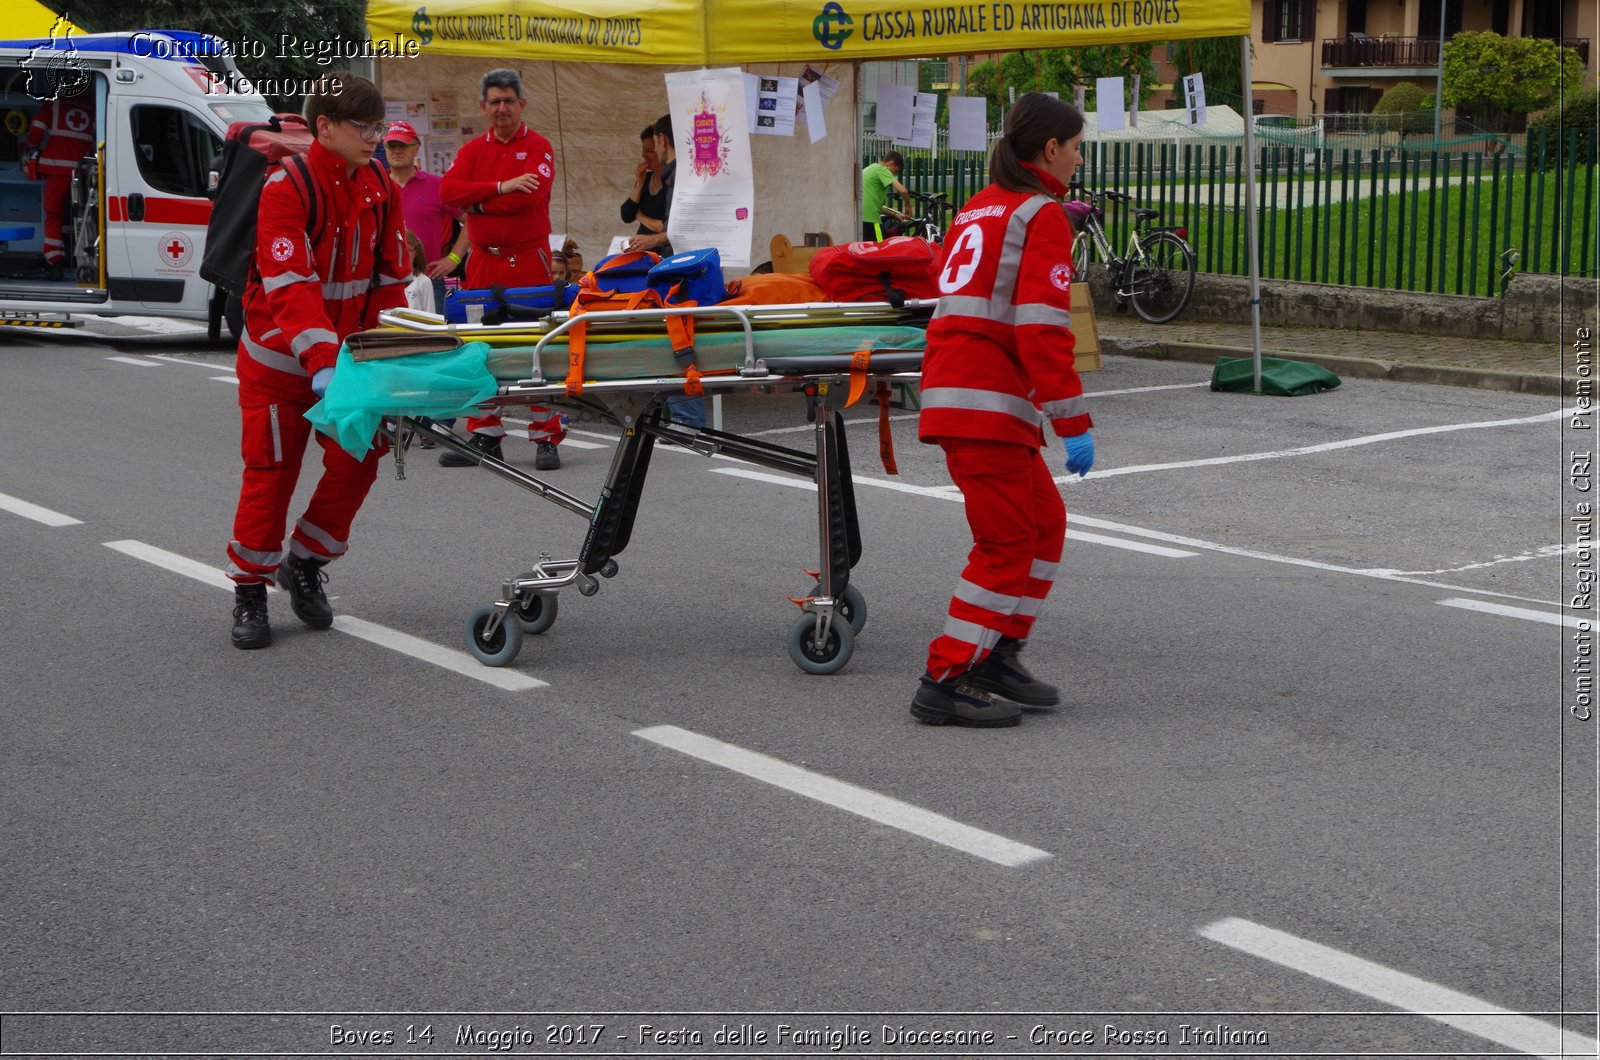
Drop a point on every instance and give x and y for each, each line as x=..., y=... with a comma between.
x=536, y=612
x=588, y=587
x=852, y=605
x=828, y=657
x=499, y=649
x=608, y=569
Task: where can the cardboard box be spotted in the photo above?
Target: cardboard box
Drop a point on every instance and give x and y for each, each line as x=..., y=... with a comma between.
x=1086, y=337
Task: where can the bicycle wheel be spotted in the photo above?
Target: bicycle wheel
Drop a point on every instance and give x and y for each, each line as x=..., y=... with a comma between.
x=1082, y=252
x=1163, y=279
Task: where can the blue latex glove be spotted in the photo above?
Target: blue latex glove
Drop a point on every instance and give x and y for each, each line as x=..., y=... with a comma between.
x=324, y=376
x=1080, y=454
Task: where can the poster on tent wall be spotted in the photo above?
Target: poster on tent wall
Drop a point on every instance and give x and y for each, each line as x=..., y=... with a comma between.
x=713, y=201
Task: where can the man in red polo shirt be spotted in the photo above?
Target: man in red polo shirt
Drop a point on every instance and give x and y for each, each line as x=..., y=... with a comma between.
x=503, y=180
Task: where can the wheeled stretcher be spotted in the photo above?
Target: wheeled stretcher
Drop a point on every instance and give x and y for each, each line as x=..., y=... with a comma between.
x=844, y=352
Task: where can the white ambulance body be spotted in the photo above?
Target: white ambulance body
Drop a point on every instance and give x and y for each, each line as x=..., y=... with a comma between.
x=163, y=101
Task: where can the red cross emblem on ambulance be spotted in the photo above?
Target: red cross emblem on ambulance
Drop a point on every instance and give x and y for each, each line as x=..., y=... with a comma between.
x=77, y=119
x=176, y=250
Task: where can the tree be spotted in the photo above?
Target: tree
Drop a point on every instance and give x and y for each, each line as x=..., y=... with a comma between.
x=1405, y=109
x=1221, y=63
x=270, y=39
x=1515, y=74
x=1059, y=70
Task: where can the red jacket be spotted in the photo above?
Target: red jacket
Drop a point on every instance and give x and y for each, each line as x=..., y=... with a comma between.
x=999, y=348
x=66, y=129
x=503, y=220
x=307, y=294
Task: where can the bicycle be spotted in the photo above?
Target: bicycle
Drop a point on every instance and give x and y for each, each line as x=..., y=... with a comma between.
x=930, y=226
x=1157, y=272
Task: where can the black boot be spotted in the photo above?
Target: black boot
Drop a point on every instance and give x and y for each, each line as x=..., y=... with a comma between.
x=488, y=445
x=1002, y=673
x=302, y=579
x=959, y=701
x=250, y=628
x=546, y=457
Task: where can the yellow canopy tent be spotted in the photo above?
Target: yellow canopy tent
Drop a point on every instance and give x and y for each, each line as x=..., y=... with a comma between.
x=609, y=35
x=30, y=19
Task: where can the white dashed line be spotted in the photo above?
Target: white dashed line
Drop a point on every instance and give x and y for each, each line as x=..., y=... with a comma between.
x=227, y=379
x=1519, y=612
x=135, y=361
x=848, y=797
x=158, y=325
x=458, y=662
x=1406, y=992
x=18, y=506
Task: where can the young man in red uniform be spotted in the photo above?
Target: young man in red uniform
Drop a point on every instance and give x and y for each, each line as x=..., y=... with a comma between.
x=62, y=132
x=999, y=355
x=503, y=180
x=308, y=291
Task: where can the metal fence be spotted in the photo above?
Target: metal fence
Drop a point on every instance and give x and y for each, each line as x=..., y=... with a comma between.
x=1437, y=221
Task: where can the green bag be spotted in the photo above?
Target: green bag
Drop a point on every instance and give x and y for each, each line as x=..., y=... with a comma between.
x=1278, y=377
x=438, y=385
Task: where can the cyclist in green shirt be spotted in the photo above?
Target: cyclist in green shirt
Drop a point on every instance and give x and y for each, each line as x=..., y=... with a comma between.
x=877, y=181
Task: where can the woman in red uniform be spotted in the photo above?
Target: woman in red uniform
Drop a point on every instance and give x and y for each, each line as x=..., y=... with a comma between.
x=999, y=361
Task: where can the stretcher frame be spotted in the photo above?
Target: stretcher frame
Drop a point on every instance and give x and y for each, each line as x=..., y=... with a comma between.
x=823, y=639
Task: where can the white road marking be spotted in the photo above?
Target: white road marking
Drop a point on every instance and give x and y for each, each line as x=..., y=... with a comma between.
x=1146, y=389
x=1547, y=552
x=158, y=325
x=1405, y=992
x=848, y=797
x=170, y=359
x=135, y=361
x=458, y=662
x=569, y=440
x=18, y=506
x=227, y=379
x=943, y=494
x=1306, y=450
x=1520, y=612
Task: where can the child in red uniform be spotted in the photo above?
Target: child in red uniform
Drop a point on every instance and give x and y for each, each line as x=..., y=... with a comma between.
x=292, y=333
x=1000, y=355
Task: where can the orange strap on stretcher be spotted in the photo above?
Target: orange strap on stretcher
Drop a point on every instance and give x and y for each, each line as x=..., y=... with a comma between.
x=680, y=330
x=860, y=362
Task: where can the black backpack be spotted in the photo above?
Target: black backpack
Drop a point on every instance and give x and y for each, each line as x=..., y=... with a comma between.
x=250, y=153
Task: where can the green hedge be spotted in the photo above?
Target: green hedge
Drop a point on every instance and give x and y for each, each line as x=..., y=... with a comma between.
x=1557, y=129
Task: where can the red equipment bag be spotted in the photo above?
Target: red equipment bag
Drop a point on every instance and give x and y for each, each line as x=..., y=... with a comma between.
x=891, y=271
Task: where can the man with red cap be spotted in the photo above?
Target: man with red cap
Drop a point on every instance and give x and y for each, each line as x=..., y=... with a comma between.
x=426, y=214
x=503, y=180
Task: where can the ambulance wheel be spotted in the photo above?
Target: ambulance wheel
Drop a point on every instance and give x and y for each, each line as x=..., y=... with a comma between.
x=537, y=612
x=827, y=657
x=233, y=313
x=499, y=649
x=852, y=605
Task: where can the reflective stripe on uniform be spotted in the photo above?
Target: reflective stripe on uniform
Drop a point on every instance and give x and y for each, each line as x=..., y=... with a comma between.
x=1067, y=408
x=309, y=338
x=284, y=279
x=280, y=362
x=951, y=397
x=978, y=596
x=971, y=633
x=1041, y=313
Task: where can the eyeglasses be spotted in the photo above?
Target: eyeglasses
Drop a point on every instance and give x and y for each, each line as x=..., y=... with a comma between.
x=370, y=132
x=503, y=101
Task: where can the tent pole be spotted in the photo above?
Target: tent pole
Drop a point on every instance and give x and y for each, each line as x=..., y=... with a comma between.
x=1251, y=235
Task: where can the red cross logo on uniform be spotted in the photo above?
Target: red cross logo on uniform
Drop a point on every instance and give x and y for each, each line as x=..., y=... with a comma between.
x=77, y=119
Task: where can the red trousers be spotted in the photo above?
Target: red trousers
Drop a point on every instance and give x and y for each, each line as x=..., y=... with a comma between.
x=528, y=269
x=1018, y=527
x=273, y=443
x=57, y=202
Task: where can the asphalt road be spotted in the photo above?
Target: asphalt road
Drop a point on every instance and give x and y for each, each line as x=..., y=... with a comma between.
x=1303, y=784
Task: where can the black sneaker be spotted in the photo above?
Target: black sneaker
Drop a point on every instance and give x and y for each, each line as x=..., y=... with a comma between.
x=960, y=702
x=546, y=458
x=250, y=628
x=1001, y=672
x=488, y=444
x=302, y=579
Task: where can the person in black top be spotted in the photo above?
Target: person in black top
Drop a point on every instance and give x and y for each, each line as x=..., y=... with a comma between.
x=667, y=154
x=646, y=205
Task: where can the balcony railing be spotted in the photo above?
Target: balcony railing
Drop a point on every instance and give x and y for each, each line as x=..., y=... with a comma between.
x=1358, y=50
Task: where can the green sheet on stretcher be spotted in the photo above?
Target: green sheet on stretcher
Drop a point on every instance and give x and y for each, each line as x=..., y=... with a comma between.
x=652, y=359
x=456, y=382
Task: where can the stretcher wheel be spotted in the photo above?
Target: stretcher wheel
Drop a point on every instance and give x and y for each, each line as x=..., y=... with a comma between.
x=608, y=569
x=536, y=612
x=588, y=586
x=499, y=649
x=852, y=605
x=821, y=658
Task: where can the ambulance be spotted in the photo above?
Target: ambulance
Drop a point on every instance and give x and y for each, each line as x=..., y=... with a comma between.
x=135, y=225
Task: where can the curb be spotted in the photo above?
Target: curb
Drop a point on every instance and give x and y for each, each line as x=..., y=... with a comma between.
x=1544, y=384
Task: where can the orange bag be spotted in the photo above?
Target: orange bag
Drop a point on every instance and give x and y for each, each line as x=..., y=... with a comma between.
x=774, y=288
